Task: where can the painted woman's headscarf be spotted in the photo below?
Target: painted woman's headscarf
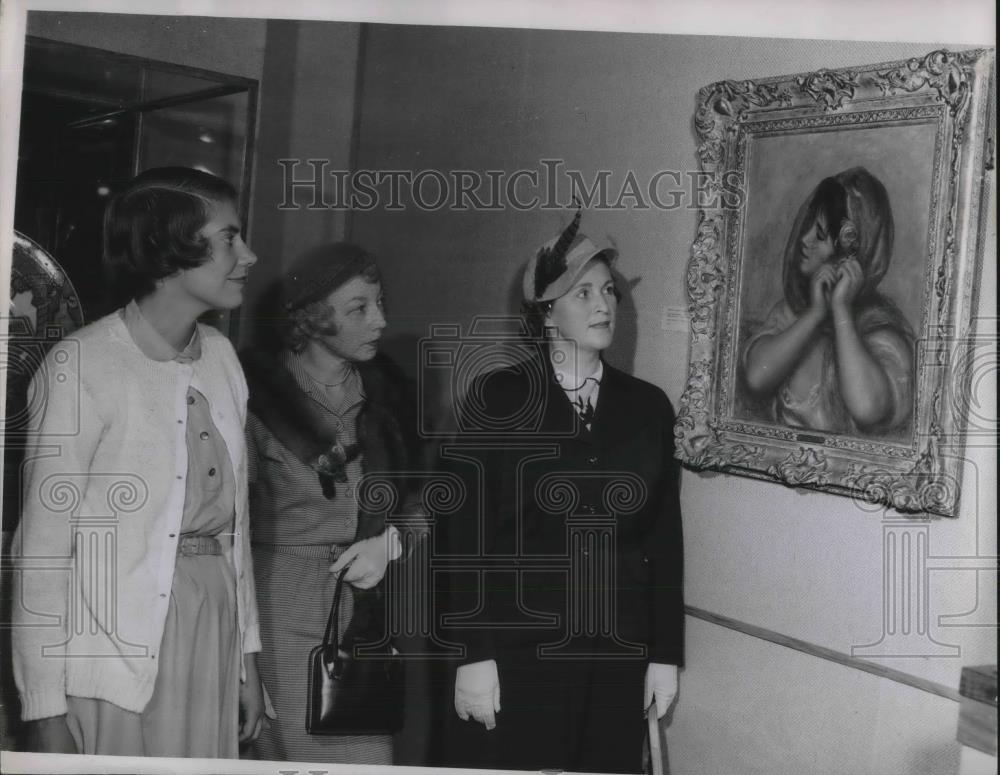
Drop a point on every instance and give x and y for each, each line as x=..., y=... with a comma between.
x=866, y=234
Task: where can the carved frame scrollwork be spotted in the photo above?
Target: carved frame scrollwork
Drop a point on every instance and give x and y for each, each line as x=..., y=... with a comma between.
x=953, y=91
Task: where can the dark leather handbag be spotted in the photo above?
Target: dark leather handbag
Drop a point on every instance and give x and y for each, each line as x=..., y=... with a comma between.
x=357, y=694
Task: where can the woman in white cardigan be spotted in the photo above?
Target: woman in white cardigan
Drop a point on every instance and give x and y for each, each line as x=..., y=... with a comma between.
x=135, y=629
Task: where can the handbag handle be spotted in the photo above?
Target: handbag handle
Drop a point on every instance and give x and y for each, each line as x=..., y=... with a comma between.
x=332, y=634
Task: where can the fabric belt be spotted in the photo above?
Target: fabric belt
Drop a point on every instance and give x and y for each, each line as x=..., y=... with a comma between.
x=323, y=551
x=190, y=545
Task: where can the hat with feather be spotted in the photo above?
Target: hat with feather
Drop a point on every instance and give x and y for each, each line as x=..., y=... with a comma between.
x=559, y=263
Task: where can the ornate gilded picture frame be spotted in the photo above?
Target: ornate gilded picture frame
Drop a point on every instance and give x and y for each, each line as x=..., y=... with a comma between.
x=833, y=278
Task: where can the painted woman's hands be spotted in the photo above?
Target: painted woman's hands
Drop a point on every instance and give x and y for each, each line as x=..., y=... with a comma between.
x=835, y=287
x=820, y=289
x=850, y=277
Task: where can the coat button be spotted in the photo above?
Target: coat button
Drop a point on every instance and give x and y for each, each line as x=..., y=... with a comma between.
x=190, y=399
x=203, y=435
x=211, y=472
x=592, y=460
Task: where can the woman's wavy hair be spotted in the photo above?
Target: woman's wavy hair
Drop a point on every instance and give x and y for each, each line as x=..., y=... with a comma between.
x=151, y=227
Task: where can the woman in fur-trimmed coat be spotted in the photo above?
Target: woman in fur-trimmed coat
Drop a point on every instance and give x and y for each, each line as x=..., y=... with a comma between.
x=324, y=411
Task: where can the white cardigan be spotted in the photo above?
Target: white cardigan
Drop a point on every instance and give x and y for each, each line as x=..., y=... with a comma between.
x=103, y=500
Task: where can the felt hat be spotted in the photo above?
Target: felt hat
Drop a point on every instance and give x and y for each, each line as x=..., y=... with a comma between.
x=321, y=270
x=554, y=270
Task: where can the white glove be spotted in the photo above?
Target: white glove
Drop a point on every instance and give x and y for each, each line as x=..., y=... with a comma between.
x=477, y=692
x=371, y=557
x=661, y=684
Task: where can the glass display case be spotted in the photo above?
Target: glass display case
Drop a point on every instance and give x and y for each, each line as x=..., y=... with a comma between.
x=92, y=119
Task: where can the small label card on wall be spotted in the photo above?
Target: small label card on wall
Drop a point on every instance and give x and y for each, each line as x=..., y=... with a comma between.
x=675, y=319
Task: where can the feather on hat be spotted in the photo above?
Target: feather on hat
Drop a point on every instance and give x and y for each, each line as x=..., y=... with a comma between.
x=560, y=262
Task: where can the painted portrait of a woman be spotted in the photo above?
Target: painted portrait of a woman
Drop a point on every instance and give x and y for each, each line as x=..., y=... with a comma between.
x=836, y=355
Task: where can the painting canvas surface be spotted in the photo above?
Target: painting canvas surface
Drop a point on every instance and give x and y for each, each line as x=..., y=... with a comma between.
x=782, y=171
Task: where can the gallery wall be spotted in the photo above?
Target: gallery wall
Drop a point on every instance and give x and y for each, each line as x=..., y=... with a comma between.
x=231, y=46
x=799, y=565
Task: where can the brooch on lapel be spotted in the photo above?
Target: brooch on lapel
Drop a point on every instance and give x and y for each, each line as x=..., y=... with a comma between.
x=331, y=466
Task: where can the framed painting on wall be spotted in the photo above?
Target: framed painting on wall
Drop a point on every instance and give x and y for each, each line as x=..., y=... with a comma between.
x=834, y=279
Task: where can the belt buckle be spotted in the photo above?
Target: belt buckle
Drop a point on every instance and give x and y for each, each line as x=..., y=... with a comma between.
x=192, y=546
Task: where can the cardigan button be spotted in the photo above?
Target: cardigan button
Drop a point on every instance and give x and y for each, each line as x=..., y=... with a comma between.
x=592, y=460
x=190, y=399
x=203, y=435
x=211, y=472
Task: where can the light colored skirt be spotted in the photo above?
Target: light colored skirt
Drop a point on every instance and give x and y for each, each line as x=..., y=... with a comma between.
x=194, y=711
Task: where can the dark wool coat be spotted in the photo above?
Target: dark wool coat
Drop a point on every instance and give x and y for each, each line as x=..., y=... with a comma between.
x=536, y=471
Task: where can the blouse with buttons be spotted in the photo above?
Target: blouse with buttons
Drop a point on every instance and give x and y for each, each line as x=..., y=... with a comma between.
x=287, y=505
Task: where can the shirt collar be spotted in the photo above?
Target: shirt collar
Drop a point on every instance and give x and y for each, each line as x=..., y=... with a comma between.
x=151, y=342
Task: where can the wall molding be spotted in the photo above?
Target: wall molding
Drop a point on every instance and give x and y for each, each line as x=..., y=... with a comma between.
x=831, y=655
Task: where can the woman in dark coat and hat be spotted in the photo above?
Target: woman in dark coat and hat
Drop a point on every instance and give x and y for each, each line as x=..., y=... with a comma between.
x=578, y=627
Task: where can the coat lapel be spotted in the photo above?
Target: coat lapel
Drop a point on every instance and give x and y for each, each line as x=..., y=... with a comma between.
x=559, y=415
x=614, y=418
x=613, y=415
